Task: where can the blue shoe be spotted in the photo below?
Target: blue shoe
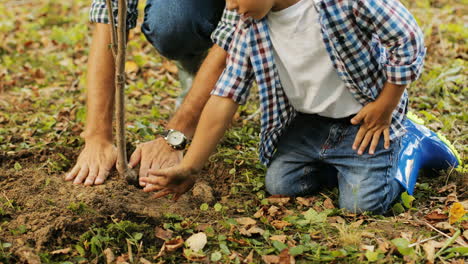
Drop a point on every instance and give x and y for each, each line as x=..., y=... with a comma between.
x=423, y=149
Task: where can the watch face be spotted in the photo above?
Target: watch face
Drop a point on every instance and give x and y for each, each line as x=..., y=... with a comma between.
x=175, y=138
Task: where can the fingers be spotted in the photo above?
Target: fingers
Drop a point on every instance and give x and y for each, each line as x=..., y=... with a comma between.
x=81, y=175
x=365, y=142
x=359, y=137
x=72, y=174
x=135, y=158
x=162, y=193
x=155, y=181
x=386, y=133
x=102, y=176
x=375, y=142
x=357, y=119
x=93, y=172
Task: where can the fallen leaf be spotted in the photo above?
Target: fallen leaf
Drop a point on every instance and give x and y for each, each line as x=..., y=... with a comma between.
x=271, y=259
x=450, y=187
x=245, y=221
x=451, y=198
x=61, y=251
x=328, y=203
x=280, y=238
x=162, y=233
x=384, y=245
x=144, y=261
x=465, y=234
x=197, y=241
x=131, y=66
x=456, y=212
x=109, y=255
x=273, y=210
x=249, y=258
x=356, y=224
x=174, y=244
x=306, y=201
x=280, y=224
x=444, y=226
x=285, y=257
x=368, y=247
x=170, y=67
x=278, y=199
x=193, y=256
x=436, y=215
x=336, y=219
x=260, y=212
x=251, y=231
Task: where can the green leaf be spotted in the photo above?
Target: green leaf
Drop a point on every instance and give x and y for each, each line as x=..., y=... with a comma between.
x=137, y=236
x=280, y=246
x=218, y=207
x=80, y=250
x=402, y=246
x=407, y=200
x=216, y=256
x=204, y=206
x=18, y=166
x=398, y=208
x=298, y=250
x=372, y=256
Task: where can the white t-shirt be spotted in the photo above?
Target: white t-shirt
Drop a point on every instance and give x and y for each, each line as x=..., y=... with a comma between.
x=309, y=79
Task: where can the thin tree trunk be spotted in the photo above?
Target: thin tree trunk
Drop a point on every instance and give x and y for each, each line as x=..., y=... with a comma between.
x=119, y=51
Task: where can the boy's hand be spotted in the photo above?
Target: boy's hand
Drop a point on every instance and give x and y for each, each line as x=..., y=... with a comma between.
x=375, y=119
x=177, y=180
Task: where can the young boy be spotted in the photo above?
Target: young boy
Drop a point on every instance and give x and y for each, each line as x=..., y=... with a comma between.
x=331, y=76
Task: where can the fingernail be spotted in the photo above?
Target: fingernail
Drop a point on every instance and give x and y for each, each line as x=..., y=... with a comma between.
x=98, y=181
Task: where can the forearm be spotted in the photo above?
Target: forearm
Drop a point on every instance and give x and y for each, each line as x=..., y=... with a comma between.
x=100, y=85
x=391, y=95
x=215, y=120
x=187, y=116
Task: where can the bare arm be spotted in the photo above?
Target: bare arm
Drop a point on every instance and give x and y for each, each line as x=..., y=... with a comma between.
x=214, y=122
x=99, y=154
x=157, y=153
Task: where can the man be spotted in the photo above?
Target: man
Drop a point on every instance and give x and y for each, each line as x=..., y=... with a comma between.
x=178, y=29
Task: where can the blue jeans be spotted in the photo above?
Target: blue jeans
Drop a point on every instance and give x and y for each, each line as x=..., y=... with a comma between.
x=181, y=29
x=316, y=151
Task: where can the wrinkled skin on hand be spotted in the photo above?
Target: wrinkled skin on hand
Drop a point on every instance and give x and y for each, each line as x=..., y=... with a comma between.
x=94, y=163
x=175, y=180
x=153, y=155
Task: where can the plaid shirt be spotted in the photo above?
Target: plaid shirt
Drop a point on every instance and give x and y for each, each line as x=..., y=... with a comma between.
x=369, y=43
x=98, y=12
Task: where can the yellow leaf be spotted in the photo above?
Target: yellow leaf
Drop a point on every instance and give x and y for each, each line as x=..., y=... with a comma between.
x=131, y=66
x=456, y=212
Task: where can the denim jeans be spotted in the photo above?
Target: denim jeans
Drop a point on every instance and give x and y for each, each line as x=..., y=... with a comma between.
x=315, y=152
x=181, y=29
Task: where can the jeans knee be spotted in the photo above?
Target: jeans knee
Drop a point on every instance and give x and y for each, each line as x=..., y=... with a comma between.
x=361, y=205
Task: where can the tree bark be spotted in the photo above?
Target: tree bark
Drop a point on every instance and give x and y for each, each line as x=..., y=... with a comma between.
x=119, y=52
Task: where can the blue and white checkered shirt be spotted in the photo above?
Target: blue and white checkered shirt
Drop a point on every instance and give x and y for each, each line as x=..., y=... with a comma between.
x=369, y=43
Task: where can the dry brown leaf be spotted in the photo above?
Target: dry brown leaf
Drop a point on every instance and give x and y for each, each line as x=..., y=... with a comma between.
x=197, y=241
x=450, y=187
x=174, y=244
x=162, y=233
x=61, y=251
x=193, y=256
x=430, y=247
x=357, y=224
x=280, y=238
x=285, y=258
x=249, y=258
x=368, y=234
x=273, y=210
x=436, y=215
x=456, y=212
x=109, y=255
x=336, y=219
x=245, y=221
x=238, y=241
x=271, y=259
x=280, y=224
x=368, y=247
x=251, y=231
x=131, y=66
x=328, y=203
x=260, y=212
x=170, y=67
x=384, y=245
x=465, y=234
x=306, y=201
x=451, y=198
x=278, y=199
x=145, y=261
x=445, y=226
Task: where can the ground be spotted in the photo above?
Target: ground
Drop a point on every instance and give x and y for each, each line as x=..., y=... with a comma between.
x=43, y=54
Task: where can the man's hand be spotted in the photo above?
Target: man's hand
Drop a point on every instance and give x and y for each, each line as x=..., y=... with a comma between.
x=94, y=163
x=154, y=155
x=375, y=119
x=176, y=180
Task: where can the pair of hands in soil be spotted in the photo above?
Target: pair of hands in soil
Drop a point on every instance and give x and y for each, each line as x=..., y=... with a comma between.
x=161, y=169
x=158, y=170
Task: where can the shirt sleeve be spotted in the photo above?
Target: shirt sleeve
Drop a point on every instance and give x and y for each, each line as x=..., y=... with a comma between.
x=222, y=35
x=237, y=78
x=399, y=32
x=98, y=12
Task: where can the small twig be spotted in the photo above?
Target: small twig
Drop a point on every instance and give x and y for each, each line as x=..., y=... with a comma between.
x=130, y=253
x=113, y=45
x=442, y=233
x=449, y=242
x=422, y=241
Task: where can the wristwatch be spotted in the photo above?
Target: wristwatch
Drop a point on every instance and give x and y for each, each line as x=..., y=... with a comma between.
x=176, y=139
